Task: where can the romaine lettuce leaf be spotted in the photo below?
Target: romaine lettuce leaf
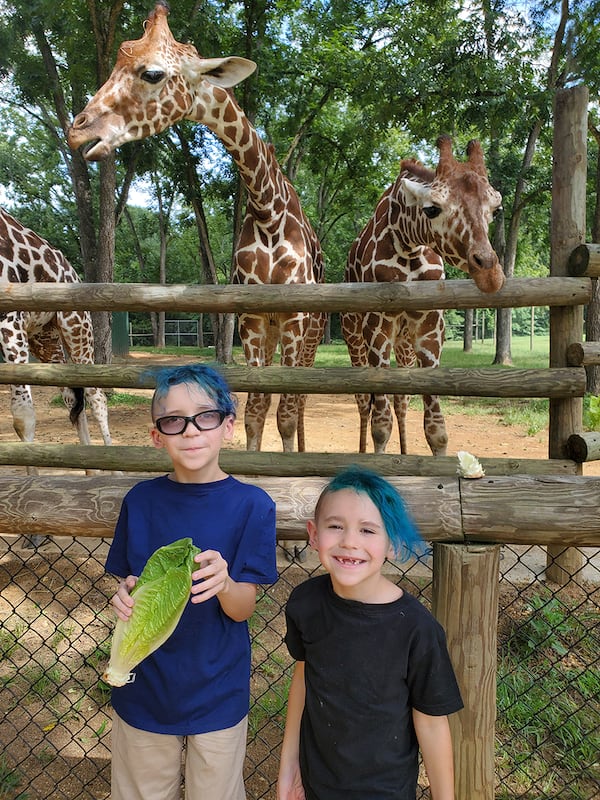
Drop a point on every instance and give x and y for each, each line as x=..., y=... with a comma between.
x=161, y=594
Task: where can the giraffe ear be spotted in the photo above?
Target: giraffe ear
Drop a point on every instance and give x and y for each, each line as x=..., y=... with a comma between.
x=415, y=194
x=224, y=72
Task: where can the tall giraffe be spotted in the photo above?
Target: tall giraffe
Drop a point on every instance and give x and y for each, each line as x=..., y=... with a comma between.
x=158, y=81
x=50, y=336
x=423, y=218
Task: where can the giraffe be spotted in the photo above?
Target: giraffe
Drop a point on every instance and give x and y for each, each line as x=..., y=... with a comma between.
x=425, y=216
x=50, y=336
x=158, y=81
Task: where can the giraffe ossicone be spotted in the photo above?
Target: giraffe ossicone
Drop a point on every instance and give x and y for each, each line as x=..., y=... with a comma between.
x=424, y=218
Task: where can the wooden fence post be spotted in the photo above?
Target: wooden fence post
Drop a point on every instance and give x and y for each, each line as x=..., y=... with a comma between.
x=465, y=601
x=566, y=323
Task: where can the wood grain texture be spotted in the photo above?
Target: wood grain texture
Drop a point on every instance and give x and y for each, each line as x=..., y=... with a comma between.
x=465, y=601
x=542, y=510
x=391, y=297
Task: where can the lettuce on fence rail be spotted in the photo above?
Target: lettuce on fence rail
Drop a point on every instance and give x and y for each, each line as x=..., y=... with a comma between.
x=161, y=594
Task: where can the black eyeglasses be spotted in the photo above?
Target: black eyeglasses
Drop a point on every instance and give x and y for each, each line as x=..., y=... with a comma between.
x=203, y=421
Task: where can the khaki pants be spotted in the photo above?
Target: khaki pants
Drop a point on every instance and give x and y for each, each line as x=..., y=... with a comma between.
x=147, y=766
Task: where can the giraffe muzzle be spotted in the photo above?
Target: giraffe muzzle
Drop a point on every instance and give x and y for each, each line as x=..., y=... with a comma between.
x=486, y=271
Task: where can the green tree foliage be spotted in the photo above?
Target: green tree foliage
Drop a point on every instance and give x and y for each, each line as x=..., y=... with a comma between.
x=343, y=91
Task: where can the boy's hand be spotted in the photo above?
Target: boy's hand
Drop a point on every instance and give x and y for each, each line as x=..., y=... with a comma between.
x=212, y=578
x=122, y=601
x=289, y=786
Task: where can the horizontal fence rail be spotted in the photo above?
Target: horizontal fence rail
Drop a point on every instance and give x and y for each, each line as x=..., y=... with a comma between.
x=136, y=458
x=522, y=509
x=483, y=382
x=388, y=297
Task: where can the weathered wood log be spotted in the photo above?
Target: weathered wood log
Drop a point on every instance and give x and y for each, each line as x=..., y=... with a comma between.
x=392, y=297
x=542, y=510
x=585, y=261
x=89, y=506
x=443, y=381
x=465, y=601
x=567, y=226
x=584, y=446
x=242, y=462
x=583, y=354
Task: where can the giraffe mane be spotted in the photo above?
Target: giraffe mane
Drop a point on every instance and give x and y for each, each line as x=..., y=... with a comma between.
x=417, y=170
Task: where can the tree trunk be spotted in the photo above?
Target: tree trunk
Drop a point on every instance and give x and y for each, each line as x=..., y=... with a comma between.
x=105, y=258
x=468, y=331
x=163, y=225
x=224, y=340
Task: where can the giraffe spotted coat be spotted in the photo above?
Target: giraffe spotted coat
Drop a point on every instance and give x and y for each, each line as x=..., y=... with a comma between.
x=424, y=218
x=52, y=336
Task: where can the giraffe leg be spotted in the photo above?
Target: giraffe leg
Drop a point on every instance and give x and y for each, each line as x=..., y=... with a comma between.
x=312, y=340
x=428, y=347
x=352, y=331
x=259, y=338
x=300, y=431
x=23, y=412
x=293, y=331
x=287, y=421
x=74, y=401
x=15, y=350
x=257, y=406
x=77, y=340
x=97, y=401
x=378, y=332
x=434, y=425
x=363, y=402
x=401, y=403
x=381, y=422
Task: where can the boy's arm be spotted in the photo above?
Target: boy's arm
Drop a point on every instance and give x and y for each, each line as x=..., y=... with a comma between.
x=238, y=600
x=433, y=734
x=289, y=784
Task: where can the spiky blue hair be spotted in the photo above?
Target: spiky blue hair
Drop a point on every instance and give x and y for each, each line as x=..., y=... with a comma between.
x=402, y=532
x=203, y=377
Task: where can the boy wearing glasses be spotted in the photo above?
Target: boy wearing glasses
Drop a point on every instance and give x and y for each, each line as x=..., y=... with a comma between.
x=195, y=687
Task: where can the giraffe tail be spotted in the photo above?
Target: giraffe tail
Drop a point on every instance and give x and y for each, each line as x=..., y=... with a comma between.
x=78, y=406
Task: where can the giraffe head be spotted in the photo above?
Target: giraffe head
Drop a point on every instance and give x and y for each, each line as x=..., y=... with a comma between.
x=153, y=85
x=458, y=204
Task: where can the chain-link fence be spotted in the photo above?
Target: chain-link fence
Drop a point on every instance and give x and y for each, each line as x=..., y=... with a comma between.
x=55, y=638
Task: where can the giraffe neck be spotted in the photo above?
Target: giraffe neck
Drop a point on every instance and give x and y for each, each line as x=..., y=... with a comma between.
x=268, y=188
x=27, y=258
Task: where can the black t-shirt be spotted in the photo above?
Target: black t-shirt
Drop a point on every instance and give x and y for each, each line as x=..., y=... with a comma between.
x=366, y=667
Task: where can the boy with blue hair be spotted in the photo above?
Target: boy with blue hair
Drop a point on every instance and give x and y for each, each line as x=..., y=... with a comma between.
x=196, y=686
x=373, y=681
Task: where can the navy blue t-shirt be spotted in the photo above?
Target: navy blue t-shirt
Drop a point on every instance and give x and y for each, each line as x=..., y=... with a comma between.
x=199, y=680
x=366, y=667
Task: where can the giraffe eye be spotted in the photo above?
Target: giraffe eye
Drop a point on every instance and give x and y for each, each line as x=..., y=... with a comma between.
x=432, y=211
x=152, y=75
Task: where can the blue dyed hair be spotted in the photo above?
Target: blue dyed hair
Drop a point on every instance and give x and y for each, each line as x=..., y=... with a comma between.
x=402, y=532
x=202, y=377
